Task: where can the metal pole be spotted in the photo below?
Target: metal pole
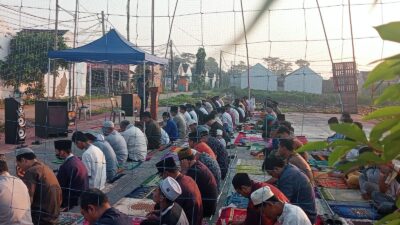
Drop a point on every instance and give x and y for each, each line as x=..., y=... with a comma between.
x=74, y=44
x=90, y=91
x=326, y=36
x=170, y=27
x=55, y=49
x=247, y=52
x=220, y=69
x=351, y=32
x=48, y=79
x=172, y=67
x=128, y=17
x=152, y=39
x=144, y=94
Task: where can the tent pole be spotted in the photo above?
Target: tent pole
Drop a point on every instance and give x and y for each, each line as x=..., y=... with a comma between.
x=90, y=91
x=48, y=79
x=144, y=93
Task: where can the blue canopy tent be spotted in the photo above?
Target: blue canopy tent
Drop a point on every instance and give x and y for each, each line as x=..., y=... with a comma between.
x=112, y=48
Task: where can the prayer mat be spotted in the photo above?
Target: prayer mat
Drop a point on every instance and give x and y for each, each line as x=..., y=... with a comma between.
x=331, y=182
x=239, y=137
x=135, y=207
x=356, y=211
x=58, y=161
x=359, y=222
x=322, y=208
x=250, y=162
x=317, y=163
x=345, y=195
x=250, y=169
x=255, y=147
x=140, y=192
x=238, y=200
x=152, y=181
x=67, y=218
x=229, y=214
x=319, y=157
x=260, y=178
x=131, y=165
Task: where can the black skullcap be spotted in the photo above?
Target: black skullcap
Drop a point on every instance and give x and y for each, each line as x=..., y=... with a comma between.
x=63, y=144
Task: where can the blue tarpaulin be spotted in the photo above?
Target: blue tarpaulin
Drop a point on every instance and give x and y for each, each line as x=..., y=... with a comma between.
x=112, y=48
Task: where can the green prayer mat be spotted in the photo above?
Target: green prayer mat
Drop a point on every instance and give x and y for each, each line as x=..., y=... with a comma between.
x=152, y=181
x=250, y=169
x=345, y=195
x=58, y=161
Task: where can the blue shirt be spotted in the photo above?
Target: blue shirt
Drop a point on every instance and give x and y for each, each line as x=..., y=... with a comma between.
x=298, y=189
x=172, y=129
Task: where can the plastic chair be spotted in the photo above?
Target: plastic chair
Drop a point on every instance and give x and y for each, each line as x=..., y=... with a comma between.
x=115, y=110
x=81, y=107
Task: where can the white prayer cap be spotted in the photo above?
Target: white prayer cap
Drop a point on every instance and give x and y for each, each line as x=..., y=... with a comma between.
x=261, y=195
x=219, y=132
x=108, y=124
x=191, y=122
x=170, y=188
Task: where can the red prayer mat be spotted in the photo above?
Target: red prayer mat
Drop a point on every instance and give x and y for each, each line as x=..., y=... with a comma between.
x=229, y=214
x=331, y=182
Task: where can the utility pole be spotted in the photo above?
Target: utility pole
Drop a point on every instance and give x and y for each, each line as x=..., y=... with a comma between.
x=171, y=67
x=103, y=27
x=128, y=16
x=74, y=45
x=152, y=39
x=220, y=69
x=55, y=49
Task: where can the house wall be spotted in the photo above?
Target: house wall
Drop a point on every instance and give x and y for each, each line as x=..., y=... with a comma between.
x=260, y=79
x=304, y=80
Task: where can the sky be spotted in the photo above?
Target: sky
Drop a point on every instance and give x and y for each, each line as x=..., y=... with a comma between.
x=291, y=29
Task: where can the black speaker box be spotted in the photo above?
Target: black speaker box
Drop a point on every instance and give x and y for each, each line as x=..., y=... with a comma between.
x=127, y=104
x=51, y=118
x=14, y=121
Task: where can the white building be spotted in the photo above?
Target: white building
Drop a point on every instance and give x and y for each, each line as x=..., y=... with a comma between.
x=304, y=79
x=62, y=81
x=261, y=78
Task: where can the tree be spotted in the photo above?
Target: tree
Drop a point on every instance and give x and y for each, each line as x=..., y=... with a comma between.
x=302, y=63
x=384, y=138
x=27, y=62
x=278, y=66
x=185, y=57
x=238, y=68
x=200, y=69
x=211, y=66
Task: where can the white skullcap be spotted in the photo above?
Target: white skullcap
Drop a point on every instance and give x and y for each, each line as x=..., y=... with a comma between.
x=261, y=195
x=170, y=188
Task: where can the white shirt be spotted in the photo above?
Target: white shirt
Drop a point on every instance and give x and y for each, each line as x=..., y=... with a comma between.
x=164, y=137
x=208, y=106
x=136, y=142
x=193, y=115
x=241, y=111
x=227, y=119
x=15, y=203
x=95, y=163
x=203, y=110
x=293, y=215
x=187, y=117
x=236, y=113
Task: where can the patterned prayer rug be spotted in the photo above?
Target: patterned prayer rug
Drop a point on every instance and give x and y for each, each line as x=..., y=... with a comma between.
x=345, y=195
x=135, y=207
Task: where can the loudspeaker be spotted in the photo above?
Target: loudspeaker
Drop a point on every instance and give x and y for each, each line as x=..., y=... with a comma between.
x=14, y=121
x=130, y=102
x=51, y=118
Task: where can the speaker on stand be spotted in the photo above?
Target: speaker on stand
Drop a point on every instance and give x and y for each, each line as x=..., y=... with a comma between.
x=15, y=132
